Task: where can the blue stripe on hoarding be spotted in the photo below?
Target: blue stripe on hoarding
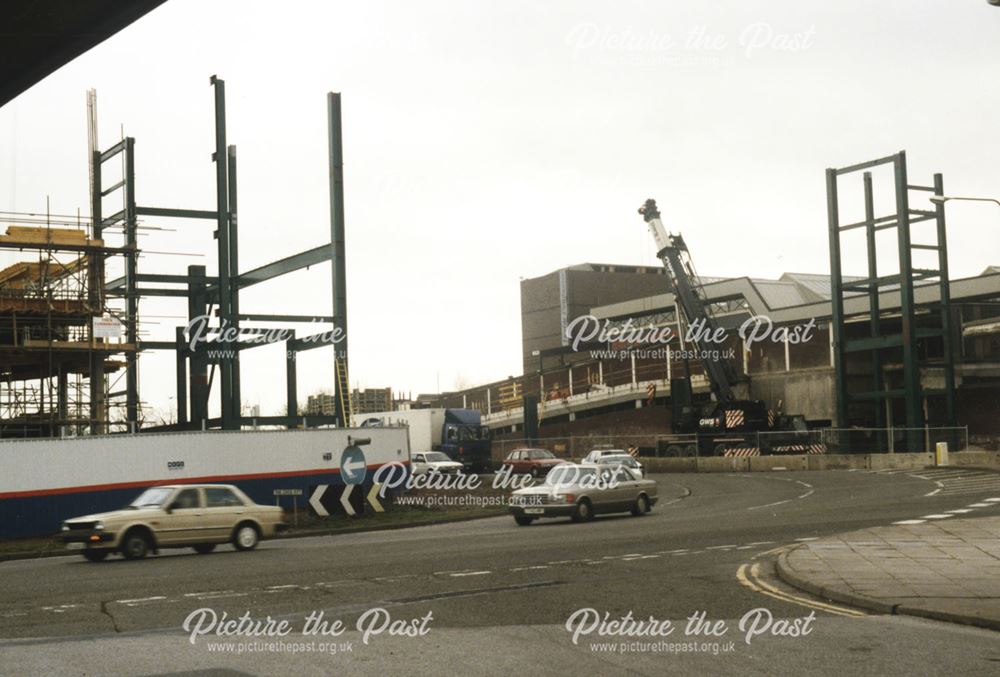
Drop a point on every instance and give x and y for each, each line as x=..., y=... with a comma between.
x=41, y=513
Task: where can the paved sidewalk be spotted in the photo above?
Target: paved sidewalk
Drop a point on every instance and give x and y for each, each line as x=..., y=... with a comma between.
x=947, y=569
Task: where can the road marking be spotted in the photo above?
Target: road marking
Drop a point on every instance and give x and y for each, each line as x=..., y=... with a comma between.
x=991, y=500
x=761, y=543
x=672, y=552
x=470, y=573
x=908, y=522
x=979, y=505
x=757, y=507
x=933, y=492
x=753, y=582
x=960, y=511
x=720, y=547
x=772, y=551
x=807, y=538
x=632, y=559
x=937, y=517
x=140, y=600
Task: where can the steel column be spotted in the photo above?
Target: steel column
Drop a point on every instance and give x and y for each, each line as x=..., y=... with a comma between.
x=836, y=299
x=873, y=304
x=946, y=329
x=337, y=237
x=911, y=369
x=182, y=414
x=291, y=380
x=234, y=290
x=222, y=234
x=131, y=293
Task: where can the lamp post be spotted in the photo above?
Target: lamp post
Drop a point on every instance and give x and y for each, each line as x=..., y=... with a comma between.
x=941, y=199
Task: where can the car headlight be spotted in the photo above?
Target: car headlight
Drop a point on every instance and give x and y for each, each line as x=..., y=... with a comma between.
x=99, y=526
x=65, y=527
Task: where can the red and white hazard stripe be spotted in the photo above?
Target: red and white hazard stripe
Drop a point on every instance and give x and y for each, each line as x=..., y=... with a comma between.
x=734, y=418
x=742, y=451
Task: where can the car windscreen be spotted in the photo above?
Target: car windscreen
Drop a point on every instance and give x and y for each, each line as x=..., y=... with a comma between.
x=153, y=496
x=436, y=457
x=611, y=460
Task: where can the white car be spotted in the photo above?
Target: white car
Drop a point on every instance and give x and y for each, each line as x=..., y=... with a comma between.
x=596, y=454
x=433, y=461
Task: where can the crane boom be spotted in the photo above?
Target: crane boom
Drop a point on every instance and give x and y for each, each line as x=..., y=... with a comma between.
x=676, y=258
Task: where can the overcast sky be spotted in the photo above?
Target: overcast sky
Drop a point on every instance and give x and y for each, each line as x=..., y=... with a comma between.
x=487, y=142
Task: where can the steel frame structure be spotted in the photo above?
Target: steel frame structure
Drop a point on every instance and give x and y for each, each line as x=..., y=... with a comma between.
x=880, y=345
x=221, y=292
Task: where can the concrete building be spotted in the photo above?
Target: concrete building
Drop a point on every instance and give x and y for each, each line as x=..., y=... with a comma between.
x=607, y=388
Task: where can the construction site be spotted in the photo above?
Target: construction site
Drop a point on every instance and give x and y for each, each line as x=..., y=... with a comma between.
x=70, y=307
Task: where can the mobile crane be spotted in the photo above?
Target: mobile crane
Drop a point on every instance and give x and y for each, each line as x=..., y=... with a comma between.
x=731, y=424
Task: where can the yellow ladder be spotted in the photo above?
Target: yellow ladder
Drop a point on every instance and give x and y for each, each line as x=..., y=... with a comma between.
x=344, y=409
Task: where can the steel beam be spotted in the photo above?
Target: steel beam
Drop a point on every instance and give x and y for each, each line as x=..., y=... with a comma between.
x=259, y=317
x=286, y=265
x=178, y=213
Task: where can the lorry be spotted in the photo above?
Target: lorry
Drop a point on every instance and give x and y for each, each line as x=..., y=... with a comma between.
x=459, y=433
x=731, y=424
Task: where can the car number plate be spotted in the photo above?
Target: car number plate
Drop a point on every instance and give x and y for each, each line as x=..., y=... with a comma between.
x=74, y=546
x=534, y=511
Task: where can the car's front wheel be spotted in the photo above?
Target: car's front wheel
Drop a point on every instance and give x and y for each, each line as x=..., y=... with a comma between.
x=523, y=520
x=584, y=512
x=641, y=506
x=246, y=537
x=135, y=545
x=95, y=555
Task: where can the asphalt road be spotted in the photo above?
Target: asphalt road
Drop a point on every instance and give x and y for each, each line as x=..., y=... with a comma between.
x=499, y=596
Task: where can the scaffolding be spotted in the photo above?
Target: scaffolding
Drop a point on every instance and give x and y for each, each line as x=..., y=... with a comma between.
x=47, y=319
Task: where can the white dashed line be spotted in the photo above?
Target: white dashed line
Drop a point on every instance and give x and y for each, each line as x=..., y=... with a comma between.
x=910, y=522
x=979, y=505
x=937, y=517
x=470, y=573
x=807, y=538
x=140, y=600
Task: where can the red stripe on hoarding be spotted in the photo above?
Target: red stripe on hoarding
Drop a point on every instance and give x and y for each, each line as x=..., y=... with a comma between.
x=208, y=479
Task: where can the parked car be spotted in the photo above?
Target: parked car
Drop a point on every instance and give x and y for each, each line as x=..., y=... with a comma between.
x=200, y=516
x=623, y=460
x=534, y=462
x=434, y=461
x=596, y=454
x=582, y=491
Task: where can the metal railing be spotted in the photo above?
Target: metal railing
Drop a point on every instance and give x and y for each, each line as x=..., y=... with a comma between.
x=769, y=443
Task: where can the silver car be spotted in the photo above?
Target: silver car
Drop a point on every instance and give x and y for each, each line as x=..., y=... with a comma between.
x=582, y=491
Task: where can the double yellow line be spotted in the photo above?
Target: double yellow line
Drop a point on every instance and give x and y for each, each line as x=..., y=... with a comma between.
x=749, y=576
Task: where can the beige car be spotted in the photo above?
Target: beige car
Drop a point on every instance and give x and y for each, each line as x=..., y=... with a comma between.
x=199, y=516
